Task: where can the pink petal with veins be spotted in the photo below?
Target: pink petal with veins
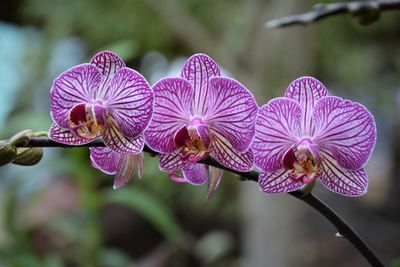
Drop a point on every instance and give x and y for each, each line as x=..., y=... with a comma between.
x=278, y=181
x=346, y=129
x=307, y=91
x=198, y=69
x=342, y=181
x=172, y=162
x=64, y=136
x=130, y=101
x=214, y=179
x=75, y=86
x=232, y=111
x=108, y=64
x=195, y=173
x=127, y=165
x=224, y=152
x=118, y=142
x=277, y=130
x=104, y=159
x=171, y=112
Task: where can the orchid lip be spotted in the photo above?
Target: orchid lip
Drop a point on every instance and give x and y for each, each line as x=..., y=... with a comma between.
x=303, y=160
x=193, y=141
x=87, y=120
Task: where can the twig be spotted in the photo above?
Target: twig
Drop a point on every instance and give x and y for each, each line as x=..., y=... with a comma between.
x=343, y=228
x=367, y=12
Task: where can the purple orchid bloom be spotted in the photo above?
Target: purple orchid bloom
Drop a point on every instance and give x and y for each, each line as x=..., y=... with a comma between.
x=103, y=99
x=198, y=115
x=308, y=135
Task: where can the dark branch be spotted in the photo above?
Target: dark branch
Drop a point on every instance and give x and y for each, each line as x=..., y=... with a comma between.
x=367, y=12
x=46, y=142
x=343, y=228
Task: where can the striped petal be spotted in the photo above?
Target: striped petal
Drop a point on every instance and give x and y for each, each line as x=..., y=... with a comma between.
x=195, y=173
x=127, y=165
x=278, y=181
x=345, y=128
x=198, y=69
x=306, y=91
x=277, y=130
x=231, y=110
x=105, y=159
x=171, y=111
x=108, y=63
x=172, y=162
x=64, y=136
x=227, y=155
x=340, y=180
x=214, y=179
x=130, y=101
x=118, y=142
x=75, y=86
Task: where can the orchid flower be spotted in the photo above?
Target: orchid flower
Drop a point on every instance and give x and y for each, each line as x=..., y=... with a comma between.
x=198, y=115
x=308, y=135
x=103, y=99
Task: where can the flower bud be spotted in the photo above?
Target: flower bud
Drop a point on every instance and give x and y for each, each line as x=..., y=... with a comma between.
x=7, y=153
x=28, y=156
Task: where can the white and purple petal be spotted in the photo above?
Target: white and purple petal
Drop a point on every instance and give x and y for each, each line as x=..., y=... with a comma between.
x=108, y=64
x=214, y=179
x=104, y=159
x=198, y=69
x=74, y=86
x=195, y=173
x=232, y=111
x=173, y=97
x=277, y=130
x=223, y=152
x=64, y=136
x=307, y=91
x=117, y=141
x=345, y=128
x=130, y=101
x=172, y=162
x=342, y=181
x=126, y=168
x=278, y=181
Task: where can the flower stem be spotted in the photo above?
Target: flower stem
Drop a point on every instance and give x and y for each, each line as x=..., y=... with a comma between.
x=344, y=229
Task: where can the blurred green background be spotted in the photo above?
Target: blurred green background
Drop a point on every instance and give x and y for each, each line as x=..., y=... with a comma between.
x=62, y=212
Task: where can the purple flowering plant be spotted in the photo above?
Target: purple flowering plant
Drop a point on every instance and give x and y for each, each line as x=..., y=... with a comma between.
x=294, y=140
x=308, y=135
x=198, y=115
x=103, y=99
x=202, y=122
